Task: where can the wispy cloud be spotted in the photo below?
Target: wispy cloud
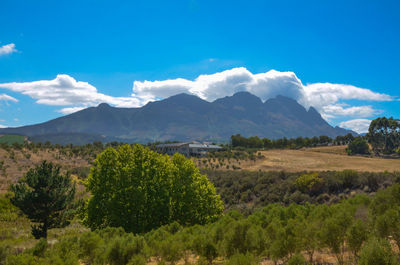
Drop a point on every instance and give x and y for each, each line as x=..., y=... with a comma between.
x=7, y=49
x=5, y=97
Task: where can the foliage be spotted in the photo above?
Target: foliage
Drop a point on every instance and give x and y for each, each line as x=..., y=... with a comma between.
x=358, y=146
x=44, y=195
x=377, y=251
x=279, y=233
x=384, y=135
x=247, y=190
x=238, y=141
x=139, y=190
x=309, y=182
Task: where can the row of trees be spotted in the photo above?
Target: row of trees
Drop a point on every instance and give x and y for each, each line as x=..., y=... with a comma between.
x=299, y=142
x=383, y=135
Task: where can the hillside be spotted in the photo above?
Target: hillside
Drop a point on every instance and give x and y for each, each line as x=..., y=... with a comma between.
x=185, y=117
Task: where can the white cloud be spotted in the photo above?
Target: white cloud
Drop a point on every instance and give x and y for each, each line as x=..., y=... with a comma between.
x=226, y=83
x=66, y=91
x=7, y=49
x=329, y=99
x=357, y=125
x=70, y=110
x=2, y=126
x=325, y=97
x=5, y=97
x=340, y=110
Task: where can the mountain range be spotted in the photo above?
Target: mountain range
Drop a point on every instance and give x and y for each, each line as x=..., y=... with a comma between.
x=184, y=117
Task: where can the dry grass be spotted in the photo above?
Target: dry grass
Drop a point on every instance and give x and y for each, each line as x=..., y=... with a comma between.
x=320, y=159
x=17, y=162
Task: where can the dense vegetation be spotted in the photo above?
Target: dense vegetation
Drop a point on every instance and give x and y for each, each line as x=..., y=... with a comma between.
x=359, y=230
x=247, y=190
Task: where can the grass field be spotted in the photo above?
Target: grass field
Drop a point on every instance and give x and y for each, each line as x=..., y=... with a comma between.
x=320, y=159
x=10, y=139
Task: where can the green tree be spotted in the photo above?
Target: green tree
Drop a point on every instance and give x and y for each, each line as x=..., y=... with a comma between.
x=384, y=135
x=358, y=146
x=139, y=190
x=377, y=252
x=44, y=195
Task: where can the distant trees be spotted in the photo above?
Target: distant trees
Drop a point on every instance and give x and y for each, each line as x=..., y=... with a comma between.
x=299, y=142
x=139, y=190
x=358, y=146
x=384, y=135
x=44, y=195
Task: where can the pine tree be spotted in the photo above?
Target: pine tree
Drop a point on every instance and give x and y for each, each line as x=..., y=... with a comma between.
x=44, y=195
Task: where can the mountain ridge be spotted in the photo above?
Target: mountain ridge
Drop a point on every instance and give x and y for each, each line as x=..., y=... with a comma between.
x=185, y=117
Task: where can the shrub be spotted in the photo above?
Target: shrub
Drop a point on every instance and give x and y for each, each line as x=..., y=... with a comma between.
x=358, y=146
x=377, y=252
x=297, y=259
x=242, y=259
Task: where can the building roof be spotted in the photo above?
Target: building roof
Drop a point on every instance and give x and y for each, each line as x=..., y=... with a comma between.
x=191, y=145
x=209, y=146
x=171, y=145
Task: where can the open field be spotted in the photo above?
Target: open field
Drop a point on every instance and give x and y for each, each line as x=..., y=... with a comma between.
x=319, y=159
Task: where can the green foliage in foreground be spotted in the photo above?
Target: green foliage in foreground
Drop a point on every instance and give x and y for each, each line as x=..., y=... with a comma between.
x=44, y=195
x=140, y=190
x=278, y=233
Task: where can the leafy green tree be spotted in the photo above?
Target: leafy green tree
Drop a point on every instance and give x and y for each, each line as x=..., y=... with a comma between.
x=356, y=236
x=388, y=225
x=358, y=146
x=384, y=135
x=377, y=252
x=139, y=190
x=44, y=195
x=334, y=231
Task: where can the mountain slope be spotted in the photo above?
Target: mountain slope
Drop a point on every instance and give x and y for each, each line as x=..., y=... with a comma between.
x=186, y=117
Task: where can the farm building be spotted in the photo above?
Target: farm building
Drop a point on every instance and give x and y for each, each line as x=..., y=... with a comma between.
x=188, y=149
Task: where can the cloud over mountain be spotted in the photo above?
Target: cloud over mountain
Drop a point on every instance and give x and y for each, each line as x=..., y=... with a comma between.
x=357, y=125
x=329, y=99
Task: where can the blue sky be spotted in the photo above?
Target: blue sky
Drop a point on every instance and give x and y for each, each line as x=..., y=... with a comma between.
x=60, y=56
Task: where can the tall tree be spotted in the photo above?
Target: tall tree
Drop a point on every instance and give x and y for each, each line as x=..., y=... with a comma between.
x=44, y=195
x=384, y=135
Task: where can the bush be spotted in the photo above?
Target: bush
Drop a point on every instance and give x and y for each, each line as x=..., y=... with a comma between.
x=297, y=259
x=377, y=252
x=242, y=259
x=358, y=146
